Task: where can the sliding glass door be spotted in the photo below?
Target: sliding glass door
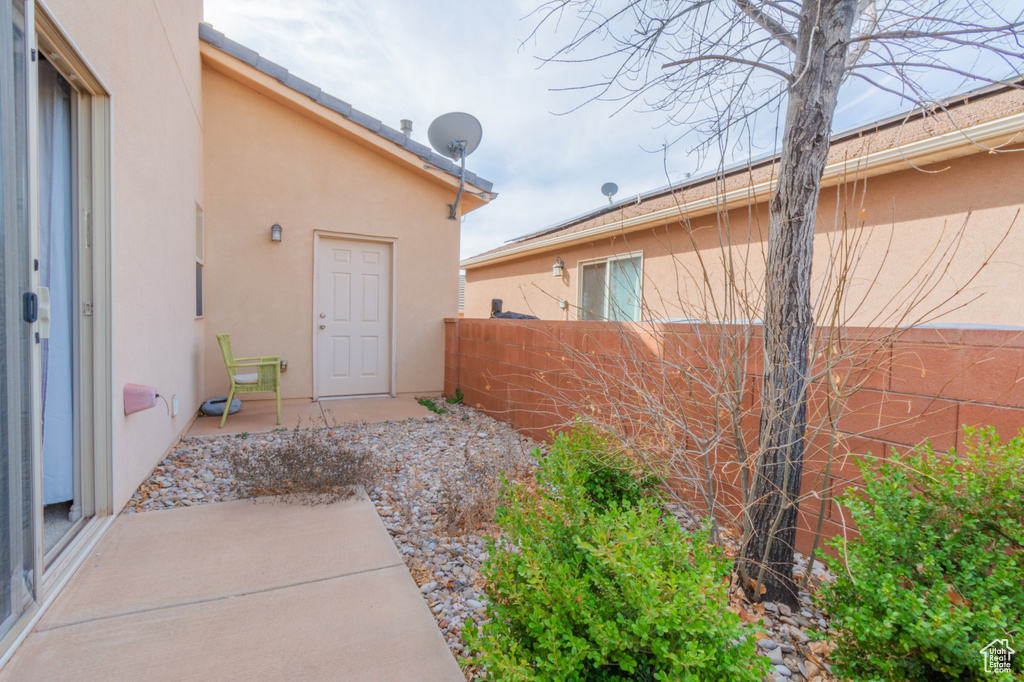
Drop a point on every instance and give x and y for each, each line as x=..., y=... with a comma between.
x=18, y=308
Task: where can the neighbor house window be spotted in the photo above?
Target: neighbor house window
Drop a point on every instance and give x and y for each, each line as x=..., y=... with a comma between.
x=611, y=288
x=200, y=238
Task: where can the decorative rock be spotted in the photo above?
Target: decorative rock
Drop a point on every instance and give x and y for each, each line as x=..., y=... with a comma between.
x=783, y=670
x=798, y=635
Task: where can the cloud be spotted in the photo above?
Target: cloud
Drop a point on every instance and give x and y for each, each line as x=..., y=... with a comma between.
x=417, y=60
x=420, y=60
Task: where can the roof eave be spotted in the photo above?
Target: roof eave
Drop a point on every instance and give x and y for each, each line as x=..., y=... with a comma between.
x=426, y=164
x=929, y=150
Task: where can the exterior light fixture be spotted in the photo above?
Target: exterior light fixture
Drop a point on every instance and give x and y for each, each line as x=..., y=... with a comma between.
x=558, y=267
x=275, y=233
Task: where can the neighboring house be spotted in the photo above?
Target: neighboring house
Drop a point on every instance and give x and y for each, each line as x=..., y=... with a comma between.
x=902, y=189
x=462, y=294
x=142, y=170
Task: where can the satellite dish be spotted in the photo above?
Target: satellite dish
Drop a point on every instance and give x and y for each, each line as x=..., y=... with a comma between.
x=609, y=189
x=455, y=135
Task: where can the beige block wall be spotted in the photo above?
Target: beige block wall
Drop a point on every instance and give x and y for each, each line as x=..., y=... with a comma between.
x=147, y=55
x=267, y=163
x=903, y=230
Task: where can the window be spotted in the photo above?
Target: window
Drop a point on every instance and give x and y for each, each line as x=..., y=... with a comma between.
x=611, y=288
x=200, y=252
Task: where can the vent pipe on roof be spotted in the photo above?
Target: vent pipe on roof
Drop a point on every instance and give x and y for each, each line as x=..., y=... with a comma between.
x=406, y=127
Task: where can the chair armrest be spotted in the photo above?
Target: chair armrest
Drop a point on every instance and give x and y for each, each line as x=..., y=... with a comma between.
x=261, y=362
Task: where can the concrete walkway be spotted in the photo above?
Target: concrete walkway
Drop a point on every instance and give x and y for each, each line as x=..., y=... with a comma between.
x=261, y=415
x=240, y=591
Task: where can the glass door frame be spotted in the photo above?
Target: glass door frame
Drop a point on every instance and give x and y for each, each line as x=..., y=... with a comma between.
x=92, y=189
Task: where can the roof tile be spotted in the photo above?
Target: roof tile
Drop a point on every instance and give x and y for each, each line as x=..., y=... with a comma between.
x=215, y=38
x=239, y=51
x=305, y=87
x=211, y=35
x=334, y=104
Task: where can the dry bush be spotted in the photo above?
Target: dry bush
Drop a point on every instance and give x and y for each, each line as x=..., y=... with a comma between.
x=467, y=501
x=309, y=463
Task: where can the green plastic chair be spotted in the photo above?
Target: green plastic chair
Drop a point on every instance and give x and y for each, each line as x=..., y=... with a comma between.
x=266, y=379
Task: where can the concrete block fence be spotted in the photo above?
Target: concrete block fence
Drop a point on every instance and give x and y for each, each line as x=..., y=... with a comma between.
x=921, y=387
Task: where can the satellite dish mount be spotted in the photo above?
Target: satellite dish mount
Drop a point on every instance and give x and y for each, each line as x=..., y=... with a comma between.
x=455, y=135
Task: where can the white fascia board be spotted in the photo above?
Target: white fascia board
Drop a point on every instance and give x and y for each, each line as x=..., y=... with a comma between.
x=930, y=150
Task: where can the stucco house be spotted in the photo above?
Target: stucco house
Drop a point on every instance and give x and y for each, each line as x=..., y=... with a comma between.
x=145, y=159
x=921, y=206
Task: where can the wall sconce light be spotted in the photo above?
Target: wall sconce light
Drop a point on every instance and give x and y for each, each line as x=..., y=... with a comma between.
x=275, y=233
x=558, y=267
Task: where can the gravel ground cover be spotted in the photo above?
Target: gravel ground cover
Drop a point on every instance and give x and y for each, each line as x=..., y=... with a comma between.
x=438, y=482
x=437, y=488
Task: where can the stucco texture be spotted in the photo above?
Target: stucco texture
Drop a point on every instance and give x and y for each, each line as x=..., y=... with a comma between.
x=147, y=56
x=267, y=160
x=939, y=244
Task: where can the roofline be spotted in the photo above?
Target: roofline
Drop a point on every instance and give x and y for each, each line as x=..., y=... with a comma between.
x=929, y=150
x=760, y=162
x=228, y=57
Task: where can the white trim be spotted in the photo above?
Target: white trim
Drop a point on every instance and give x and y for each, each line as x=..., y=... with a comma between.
x=629, y=255
x=931, y=150
x=393, y=242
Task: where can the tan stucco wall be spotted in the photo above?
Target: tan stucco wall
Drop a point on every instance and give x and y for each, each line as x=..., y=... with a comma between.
x=909, y=217
x=268, y=163
x=147, y=56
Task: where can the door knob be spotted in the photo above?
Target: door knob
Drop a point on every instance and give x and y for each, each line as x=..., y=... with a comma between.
x=323, y=326
x=323, y=315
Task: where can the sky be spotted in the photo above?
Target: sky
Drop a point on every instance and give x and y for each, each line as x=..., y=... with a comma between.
x=546, y=155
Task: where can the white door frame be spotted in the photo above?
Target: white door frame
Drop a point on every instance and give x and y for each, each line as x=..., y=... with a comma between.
x=319, y=235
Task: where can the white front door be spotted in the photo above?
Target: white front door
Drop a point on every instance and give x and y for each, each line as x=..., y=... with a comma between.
x=352, y=319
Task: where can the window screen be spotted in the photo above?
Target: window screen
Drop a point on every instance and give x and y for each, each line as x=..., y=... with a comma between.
x=611, y=289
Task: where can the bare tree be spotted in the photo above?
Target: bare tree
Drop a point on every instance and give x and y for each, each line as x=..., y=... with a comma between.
x=715, y=64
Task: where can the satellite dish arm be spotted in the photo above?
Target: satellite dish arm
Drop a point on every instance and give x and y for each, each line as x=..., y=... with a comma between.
x=458, y=147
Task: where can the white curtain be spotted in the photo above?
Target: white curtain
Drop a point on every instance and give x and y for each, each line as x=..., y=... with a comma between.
x=55, y=273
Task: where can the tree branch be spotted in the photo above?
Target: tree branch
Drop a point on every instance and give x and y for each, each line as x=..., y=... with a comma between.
x=778, y=31
x=737, y=60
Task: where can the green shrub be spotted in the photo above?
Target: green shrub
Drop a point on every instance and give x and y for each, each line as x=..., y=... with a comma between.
x=938, y=571
x=583, y=470
x=607, y=588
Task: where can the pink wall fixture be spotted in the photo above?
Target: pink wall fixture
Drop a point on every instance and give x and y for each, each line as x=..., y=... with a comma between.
x=138, y=398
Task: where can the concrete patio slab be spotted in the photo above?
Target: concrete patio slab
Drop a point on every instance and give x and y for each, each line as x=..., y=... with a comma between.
x=261, y=415
x=240, y=590
x=372, y=410
x=258, y=416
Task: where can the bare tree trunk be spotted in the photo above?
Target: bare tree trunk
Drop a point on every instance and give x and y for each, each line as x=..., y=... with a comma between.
x=767, y=558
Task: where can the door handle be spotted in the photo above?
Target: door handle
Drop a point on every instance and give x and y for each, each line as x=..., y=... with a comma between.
x=44, y=313
x=30, y=303
x=323, y=326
